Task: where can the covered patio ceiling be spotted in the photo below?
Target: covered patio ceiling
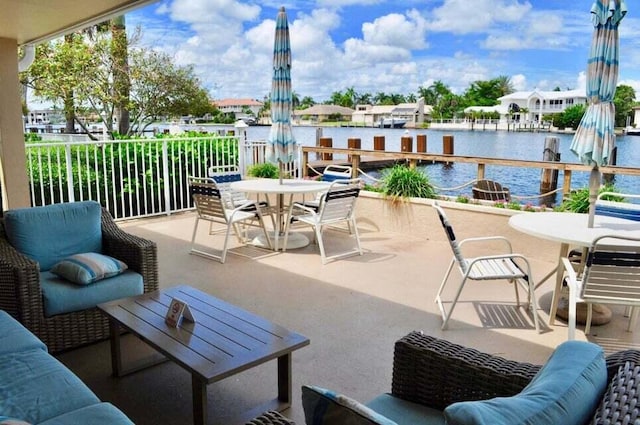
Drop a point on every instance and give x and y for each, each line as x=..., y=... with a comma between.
x=34, y=21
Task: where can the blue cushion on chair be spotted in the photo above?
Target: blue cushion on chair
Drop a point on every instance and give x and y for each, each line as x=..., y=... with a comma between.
x=62, y=296
x=53, y=232
x=566, y=390
x=324, y=407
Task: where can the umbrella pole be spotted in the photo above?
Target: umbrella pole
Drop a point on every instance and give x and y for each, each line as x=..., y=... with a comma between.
x=281, y=170
x=594, y=187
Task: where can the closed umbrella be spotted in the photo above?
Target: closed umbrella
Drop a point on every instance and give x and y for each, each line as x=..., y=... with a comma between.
x=595, y=138
x=281, y=143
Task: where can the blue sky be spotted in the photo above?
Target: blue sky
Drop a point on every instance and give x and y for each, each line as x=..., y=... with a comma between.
x=384, y=46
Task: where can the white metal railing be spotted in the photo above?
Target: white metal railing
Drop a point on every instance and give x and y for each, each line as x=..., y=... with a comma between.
x=131, y=178
x=138, y=177
x=255, y=152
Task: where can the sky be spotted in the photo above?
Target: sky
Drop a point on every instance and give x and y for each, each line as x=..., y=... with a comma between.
x=383, y=46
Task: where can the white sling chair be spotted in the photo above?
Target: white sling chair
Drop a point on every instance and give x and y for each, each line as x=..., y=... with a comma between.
x=490, y=267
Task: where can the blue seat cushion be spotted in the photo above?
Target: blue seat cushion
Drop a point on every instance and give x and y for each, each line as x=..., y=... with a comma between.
x=50, y=233
x=96, y=414
x=15, y=338
x=404, y=412
x=324, y=407
x=566, y=390
x=36, y=387
x=61, y=296
x=618, y=209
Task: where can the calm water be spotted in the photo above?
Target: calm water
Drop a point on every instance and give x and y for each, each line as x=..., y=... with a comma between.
x=493, y=144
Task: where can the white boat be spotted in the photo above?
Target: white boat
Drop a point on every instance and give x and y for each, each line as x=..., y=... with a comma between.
x=392, y=122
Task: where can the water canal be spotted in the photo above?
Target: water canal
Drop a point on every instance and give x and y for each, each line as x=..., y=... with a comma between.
x=492, y=144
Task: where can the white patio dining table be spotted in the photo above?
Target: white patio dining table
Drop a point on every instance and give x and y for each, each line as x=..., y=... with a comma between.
x=289, y=187
x=570, y=229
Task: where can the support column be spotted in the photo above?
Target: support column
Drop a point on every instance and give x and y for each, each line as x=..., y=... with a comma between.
x=13, y=164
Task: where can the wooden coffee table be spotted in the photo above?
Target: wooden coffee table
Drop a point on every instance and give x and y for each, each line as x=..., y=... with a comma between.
x=225, y=340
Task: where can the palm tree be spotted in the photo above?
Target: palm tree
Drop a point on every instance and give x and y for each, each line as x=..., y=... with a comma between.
x=121, y=79
x=504, y=85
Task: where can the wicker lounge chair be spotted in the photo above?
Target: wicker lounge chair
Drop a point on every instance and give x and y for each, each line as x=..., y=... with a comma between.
x=431, y=373
x=21, y=293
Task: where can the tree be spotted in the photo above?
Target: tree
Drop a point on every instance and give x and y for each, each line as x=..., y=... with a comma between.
x=59, y=68
x=307, y=102
x=505, y=85
x=571, y=117
x=624, y=100
x=160, y=88
x=486, y=93
x=121, y=80
x=81, y=74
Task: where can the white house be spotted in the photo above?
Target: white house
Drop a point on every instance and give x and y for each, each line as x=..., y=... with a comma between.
x=237, y=106
x=538, y=103
x=413, y=113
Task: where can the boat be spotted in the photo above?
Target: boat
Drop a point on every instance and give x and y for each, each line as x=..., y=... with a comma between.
x=391, y=122
x=632, y=131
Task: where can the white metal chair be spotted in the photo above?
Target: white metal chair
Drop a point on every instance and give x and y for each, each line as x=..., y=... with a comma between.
x=223, y=176
x=212, y=206
x=489, y=267
x=332, y=173
x=337, y=205
x=611, y=275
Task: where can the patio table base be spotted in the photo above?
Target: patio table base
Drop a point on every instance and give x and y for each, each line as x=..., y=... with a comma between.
x=295, y=241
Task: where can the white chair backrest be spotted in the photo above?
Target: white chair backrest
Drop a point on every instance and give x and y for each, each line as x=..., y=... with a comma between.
x=451, y=236
x=612, y=269
x=336, y=172
x=207, y=198
x=338, y=202
x=618, y=209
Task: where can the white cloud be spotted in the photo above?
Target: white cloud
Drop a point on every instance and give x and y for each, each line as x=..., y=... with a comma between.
x=519, y=82
x=404, y=31
x=464, y=17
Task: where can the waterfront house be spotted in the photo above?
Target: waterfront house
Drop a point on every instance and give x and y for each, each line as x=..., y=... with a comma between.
x=238, y=106
x=320, y=113
x=413, y=113
x=532, y=106
x=537, y=103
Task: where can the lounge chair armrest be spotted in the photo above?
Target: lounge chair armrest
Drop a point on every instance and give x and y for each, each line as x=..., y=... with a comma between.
x=304, y=208
x=568, y=267
x=437, y=373
x=20, y=283
x=140, y=255
x=488, y=239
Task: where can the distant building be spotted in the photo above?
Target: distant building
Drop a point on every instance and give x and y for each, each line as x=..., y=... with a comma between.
x=238, y=106
x=413, y=113
x=320, y=113
x=533, y=105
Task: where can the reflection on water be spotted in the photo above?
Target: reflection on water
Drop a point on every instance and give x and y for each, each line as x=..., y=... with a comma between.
x=492, y=144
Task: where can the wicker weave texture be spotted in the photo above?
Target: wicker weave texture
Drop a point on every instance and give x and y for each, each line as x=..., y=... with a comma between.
x=271, y=418
x=437, y=373
x=21, y=295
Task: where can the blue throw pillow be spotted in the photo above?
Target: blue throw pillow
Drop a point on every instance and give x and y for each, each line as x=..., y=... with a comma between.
x=566, y=390
x=87, y=268
x=324, y=407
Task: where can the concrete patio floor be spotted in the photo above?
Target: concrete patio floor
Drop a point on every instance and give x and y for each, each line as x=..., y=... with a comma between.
x=353, y=310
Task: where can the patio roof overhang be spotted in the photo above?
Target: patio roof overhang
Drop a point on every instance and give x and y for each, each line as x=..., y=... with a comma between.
x=35, y=21
x=30, y=22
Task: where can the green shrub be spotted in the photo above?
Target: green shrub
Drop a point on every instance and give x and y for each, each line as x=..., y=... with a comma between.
x=463, y=199
x=578, y=200
x=401, y=182
x=266, y=170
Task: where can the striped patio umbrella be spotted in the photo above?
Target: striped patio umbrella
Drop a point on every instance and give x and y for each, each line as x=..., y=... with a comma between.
x=281, y=143
x=594, y=139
